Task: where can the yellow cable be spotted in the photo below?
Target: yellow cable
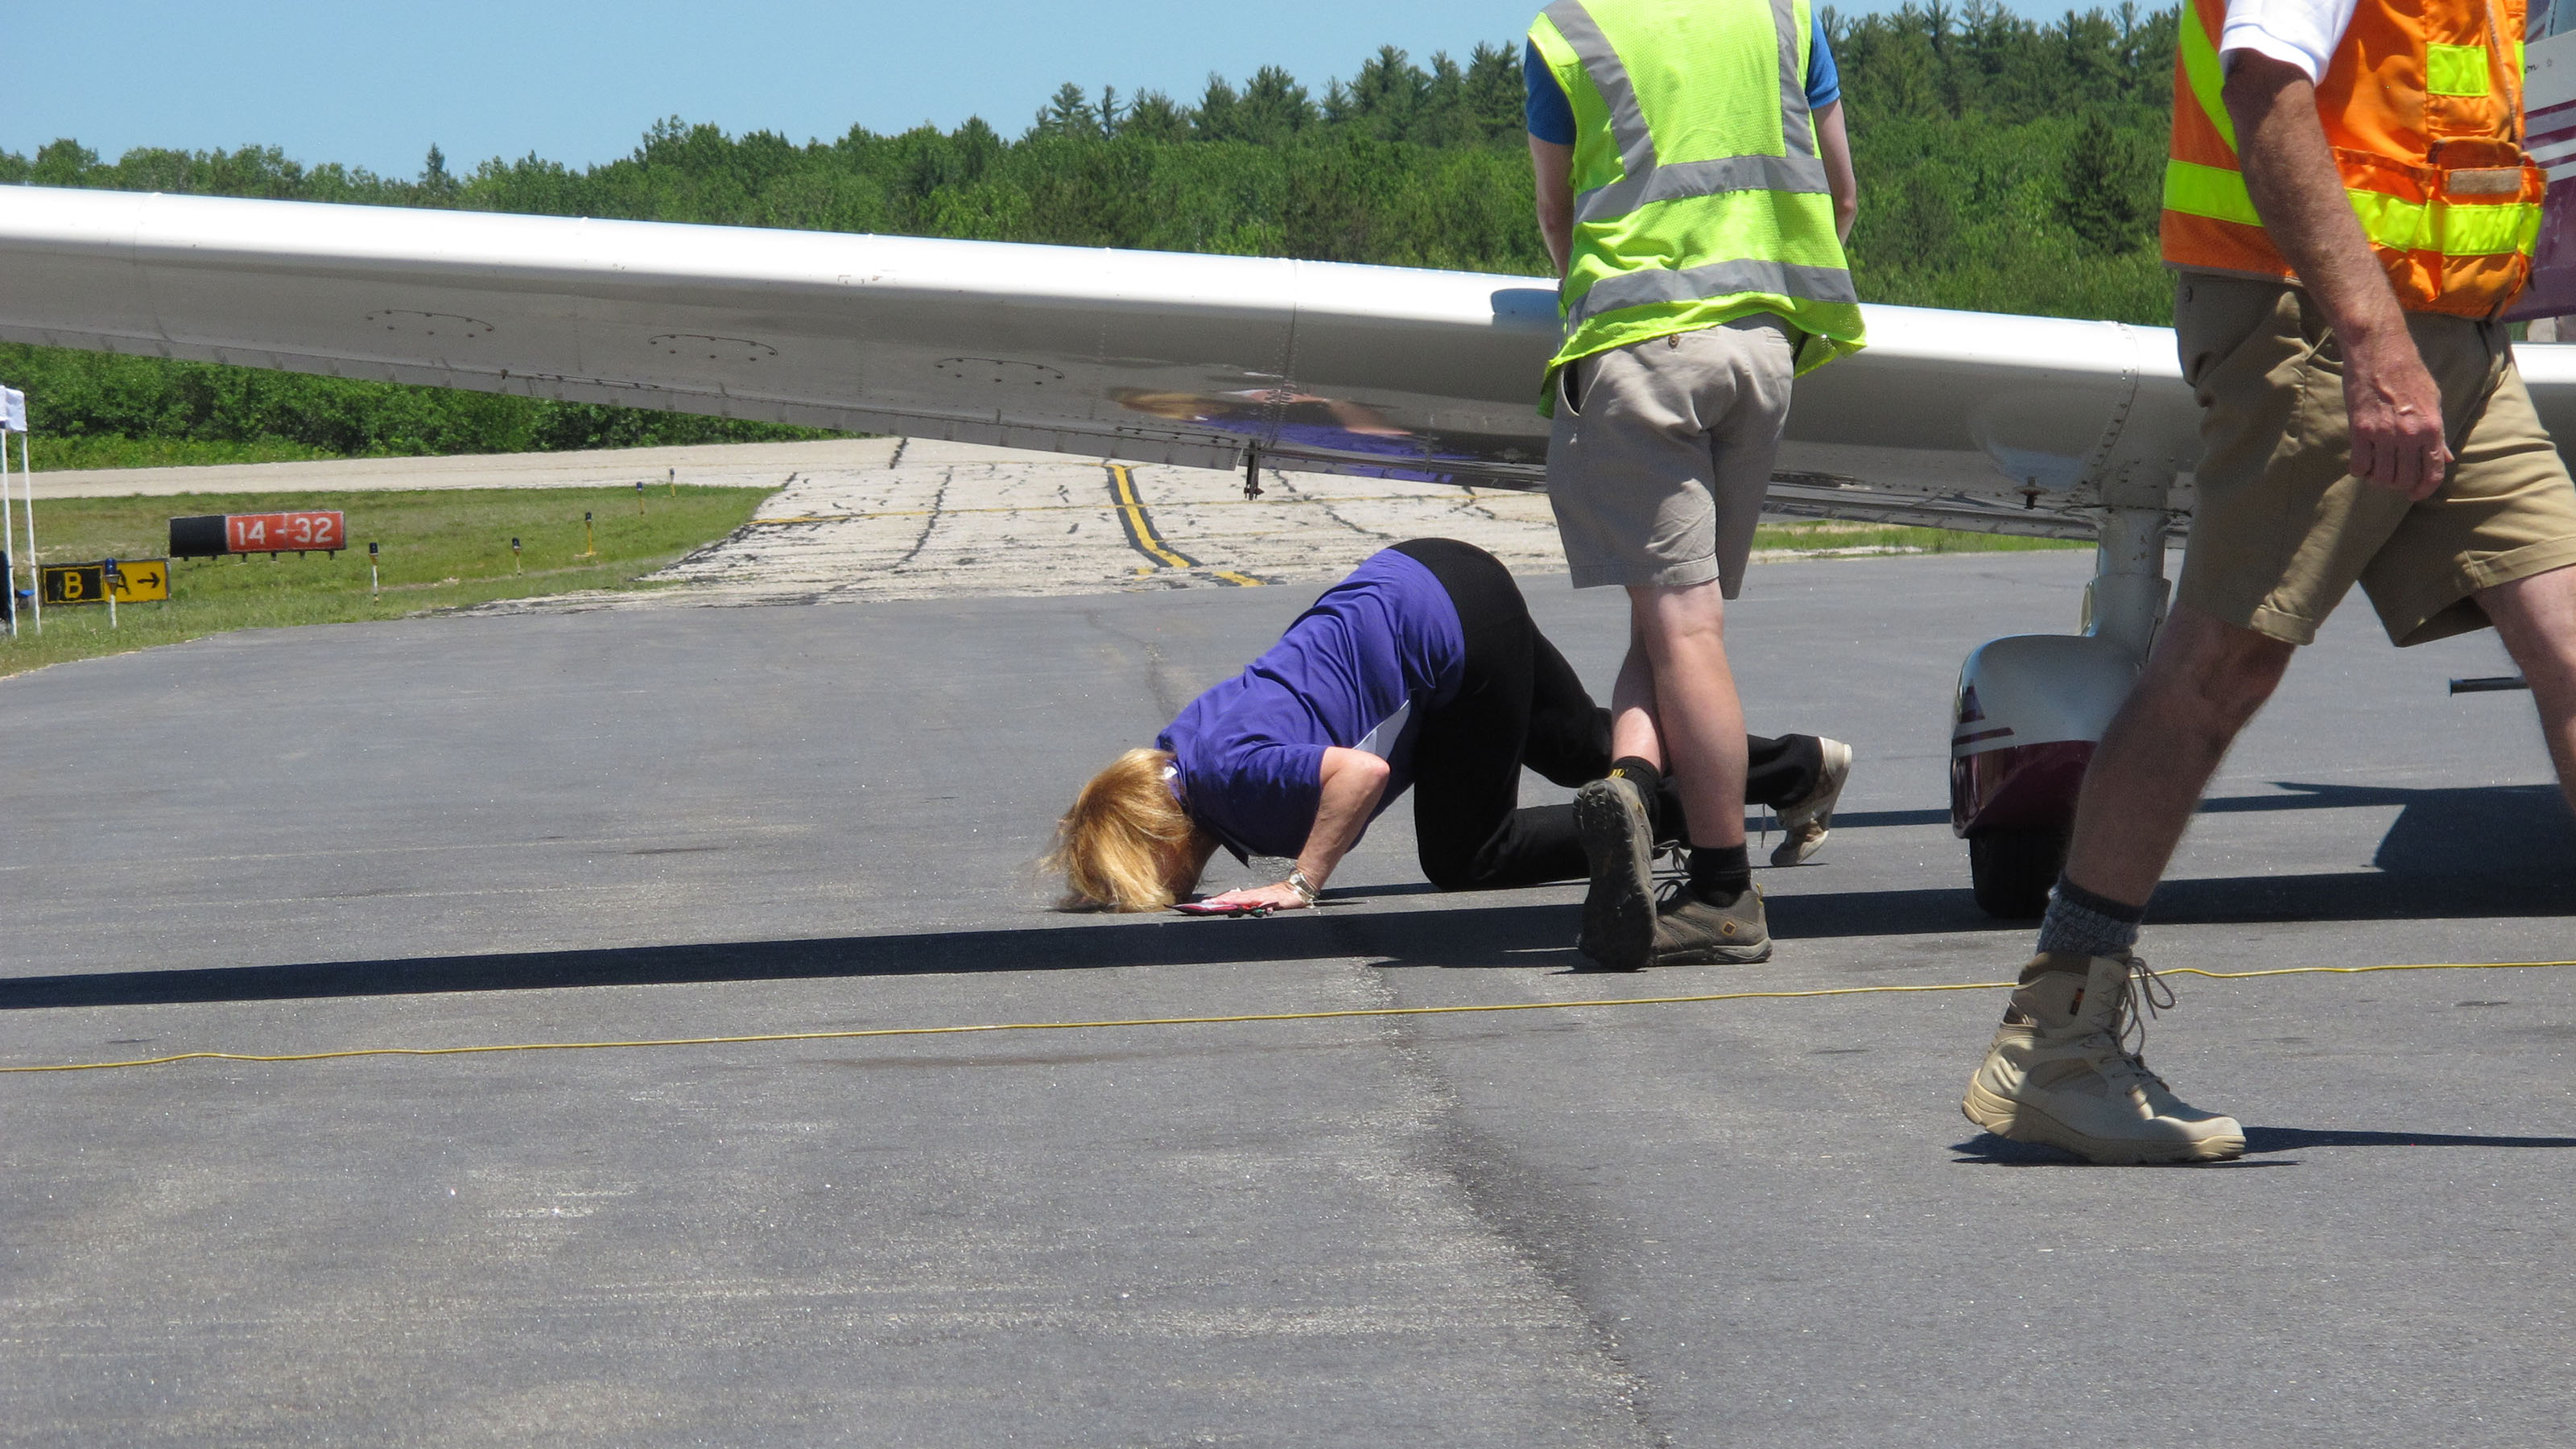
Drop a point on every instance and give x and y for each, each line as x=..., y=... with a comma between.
x=776, y=1036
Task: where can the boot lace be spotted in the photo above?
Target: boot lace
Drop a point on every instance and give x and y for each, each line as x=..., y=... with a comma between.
x=2143, y=995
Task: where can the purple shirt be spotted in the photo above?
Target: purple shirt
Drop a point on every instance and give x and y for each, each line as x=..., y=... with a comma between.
x=1250, y=751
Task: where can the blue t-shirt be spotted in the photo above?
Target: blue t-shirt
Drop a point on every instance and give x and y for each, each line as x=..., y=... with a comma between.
x=1551, y=115
x=1250, y=752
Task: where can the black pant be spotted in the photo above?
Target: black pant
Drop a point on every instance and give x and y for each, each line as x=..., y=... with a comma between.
x=1522, y=705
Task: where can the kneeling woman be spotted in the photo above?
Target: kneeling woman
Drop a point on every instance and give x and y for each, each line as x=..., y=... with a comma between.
x=1422, y=669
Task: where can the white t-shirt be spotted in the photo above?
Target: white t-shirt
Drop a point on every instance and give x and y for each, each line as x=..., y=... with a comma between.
x=2303, y=33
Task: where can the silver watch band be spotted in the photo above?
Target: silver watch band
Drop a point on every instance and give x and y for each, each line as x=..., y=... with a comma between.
x=1304, y=888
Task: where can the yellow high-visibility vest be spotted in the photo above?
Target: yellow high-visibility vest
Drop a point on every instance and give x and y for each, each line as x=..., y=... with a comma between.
x=1699, y=194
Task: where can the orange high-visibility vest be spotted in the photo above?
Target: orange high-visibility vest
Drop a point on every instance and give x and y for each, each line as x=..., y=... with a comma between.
x=2423, y=109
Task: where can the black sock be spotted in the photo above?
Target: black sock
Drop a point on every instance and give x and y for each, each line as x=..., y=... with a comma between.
x=1720, y=871
x=1649, y=782
x=1672, y=822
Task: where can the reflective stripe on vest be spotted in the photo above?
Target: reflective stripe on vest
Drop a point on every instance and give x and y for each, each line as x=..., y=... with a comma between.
x=2454, y=226
x=1666, y=245
x=1717, y=279
x=1647, y=180
x=2388, y=221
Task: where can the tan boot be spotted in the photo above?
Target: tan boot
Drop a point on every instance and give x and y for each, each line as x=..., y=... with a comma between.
x=2060, y=1072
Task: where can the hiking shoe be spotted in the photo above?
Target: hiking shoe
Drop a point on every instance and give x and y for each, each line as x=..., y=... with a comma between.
x=1804, y=825
x=2061, y=1070
x=1619, y=846
x=1696, y=930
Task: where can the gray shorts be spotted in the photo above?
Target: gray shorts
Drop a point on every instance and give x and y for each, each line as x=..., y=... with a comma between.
x=1662, y=451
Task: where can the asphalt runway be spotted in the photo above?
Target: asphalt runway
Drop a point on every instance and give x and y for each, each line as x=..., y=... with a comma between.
x=1742, y=1223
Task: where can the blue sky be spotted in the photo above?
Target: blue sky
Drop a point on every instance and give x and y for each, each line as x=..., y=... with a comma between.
x=374, y=83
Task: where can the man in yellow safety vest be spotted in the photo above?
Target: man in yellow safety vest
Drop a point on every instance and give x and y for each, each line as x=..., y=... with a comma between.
x=1694, y=188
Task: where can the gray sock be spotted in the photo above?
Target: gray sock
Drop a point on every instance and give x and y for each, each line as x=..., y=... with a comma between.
x=2080, y=923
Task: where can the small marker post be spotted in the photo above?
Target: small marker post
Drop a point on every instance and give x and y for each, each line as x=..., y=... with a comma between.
x=375, y=581
x=109, y=578
x=514, y=555
x=8, y=565
x=589, y=548
x=639, y=498
x=675, y=482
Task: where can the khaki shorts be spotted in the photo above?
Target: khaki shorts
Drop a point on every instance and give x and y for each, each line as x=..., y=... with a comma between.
x=1662, y=451
x=2281, y=534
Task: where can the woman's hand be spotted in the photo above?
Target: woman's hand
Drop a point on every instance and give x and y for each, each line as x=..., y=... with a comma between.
x=1280, y=897
x=1352, y=781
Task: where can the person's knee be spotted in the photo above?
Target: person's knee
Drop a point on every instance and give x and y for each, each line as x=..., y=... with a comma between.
x=2536, y=619
x=1449, y=868
x=1663, y=621
x=2213, y=677
x=2241, y=684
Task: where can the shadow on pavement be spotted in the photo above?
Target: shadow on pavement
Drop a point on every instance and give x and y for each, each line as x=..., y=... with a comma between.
x=1988, y=1149
x=1503, y=935
x=2518, y=884
x=2467, y=853
x=2449, y=818
x=2291, y=1139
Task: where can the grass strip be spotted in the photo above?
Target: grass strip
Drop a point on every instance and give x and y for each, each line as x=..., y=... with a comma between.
x=442, y=549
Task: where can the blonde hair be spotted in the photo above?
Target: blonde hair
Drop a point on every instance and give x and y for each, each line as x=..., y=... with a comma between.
x=1118, y=845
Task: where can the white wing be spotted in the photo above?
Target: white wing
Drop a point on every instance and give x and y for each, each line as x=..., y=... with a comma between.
x=1964, y=419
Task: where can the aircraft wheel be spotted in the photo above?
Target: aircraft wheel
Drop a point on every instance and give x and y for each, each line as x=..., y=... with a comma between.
x=2013, y=870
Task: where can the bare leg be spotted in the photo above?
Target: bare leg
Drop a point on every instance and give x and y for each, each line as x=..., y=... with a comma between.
x=1633, y=730
x=2059, y=1069
x=2536, y=618
x=1682, y=634
x=2203, y=683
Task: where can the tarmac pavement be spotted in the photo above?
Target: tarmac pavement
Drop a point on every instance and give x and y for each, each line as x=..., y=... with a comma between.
x=1742, y=1223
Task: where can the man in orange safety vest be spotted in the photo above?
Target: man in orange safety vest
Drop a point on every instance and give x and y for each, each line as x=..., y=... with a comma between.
x=2348, y=209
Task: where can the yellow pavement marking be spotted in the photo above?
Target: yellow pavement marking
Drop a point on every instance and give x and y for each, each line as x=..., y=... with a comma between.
x=1140, y=530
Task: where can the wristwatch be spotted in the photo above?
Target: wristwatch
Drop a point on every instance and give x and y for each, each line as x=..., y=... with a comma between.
x=1304, y=888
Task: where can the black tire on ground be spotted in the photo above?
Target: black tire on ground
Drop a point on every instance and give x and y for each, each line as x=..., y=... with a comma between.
x=2013, y=870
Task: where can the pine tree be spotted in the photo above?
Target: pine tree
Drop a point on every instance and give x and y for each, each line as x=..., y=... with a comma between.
x=2103, y=200
x=1070, y=113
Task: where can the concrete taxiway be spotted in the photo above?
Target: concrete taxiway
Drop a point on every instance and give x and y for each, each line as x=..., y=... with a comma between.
x=926, y=519
x=1749, y=1222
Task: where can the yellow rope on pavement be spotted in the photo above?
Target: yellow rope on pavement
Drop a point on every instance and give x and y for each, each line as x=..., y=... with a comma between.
x=885, y=1031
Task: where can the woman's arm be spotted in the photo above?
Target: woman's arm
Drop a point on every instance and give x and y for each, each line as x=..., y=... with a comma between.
x=1352, y=782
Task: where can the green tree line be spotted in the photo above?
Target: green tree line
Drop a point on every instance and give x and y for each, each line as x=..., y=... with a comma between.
x=2005, y=165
